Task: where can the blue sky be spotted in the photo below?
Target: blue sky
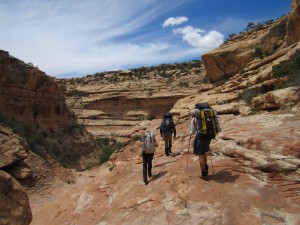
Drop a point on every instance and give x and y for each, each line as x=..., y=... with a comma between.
x=73, y=38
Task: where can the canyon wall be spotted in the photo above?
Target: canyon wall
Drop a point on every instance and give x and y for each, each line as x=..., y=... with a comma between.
x=114, y=104
x=29, y=95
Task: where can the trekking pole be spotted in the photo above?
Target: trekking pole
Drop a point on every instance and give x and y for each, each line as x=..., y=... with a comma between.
x=187, y=161
x=212, y=165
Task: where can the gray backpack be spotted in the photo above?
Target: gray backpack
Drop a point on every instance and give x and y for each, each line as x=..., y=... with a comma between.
x=148, y=142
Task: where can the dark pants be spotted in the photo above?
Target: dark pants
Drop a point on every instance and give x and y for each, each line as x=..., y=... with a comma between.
x=147, y=165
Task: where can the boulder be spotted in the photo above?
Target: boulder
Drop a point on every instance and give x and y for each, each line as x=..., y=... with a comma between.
x=14, y=202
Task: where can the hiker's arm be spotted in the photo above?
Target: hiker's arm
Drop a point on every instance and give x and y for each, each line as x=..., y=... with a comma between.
x=174, y=130
x=156, y=143
x=192, y=128
x=160, y=129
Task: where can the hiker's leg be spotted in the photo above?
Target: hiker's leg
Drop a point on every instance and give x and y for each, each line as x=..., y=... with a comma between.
x=165, y=135
x=144, y=167
x=206, y=165
x=150, y=164
x=206, y=143
x=202, y=161
x=205, y=161
x=200, y=149
x=170, y=143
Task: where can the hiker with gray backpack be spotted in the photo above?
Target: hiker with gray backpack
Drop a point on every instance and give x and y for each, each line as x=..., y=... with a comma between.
x=206, y=126
x=167, y=129
x=148, y=149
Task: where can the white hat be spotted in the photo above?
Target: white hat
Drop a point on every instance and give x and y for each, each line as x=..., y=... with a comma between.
x=196, y=112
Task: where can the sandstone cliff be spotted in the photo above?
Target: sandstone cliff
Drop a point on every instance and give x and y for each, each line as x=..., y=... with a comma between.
x=264, y=40
x=38, y=134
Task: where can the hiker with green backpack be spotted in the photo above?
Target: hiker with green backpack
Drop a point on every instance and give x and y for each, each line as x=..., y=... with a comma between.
x=148, y=149
x=205, y=124
x=167, y=129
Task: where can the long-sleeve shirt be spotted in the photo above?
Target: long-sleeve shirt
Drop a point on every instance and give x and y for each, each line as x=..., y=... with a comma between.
x=193, y=127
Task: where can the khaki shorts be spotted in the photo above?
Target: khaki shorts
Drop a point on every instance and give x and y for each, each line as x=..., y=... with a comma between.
x=168, y=139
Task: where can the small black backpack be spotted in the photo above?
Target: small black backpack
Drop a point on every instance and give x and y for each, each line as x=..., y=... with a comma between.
x=167, y=123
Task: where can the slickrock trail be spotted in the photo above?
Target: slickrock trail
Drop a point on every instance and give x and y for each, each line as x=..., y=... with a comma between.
x=115, y=194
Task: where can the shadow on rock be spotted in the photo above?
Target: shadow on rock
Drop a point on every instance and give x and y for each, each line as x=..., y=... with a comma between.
x=158, y=175
x=223, y=177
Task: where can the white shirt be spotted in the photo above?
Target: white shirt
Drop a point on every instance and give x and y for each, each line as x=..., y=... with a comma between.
x=193, y=126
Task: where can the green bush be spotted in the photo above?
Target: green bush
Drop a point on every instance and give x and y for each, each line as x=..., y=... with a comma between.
x=248, y=94
x=183, y=84
x=291, y=69
x=259, y=52
x=136, y=138
x=76, y=127
x=151, y=117
x=108, y=147
x=36, y=141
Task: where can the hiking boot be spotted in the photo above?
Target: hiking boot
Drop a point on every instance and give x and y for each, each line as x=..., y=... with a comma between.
x=167, y=152
x=146, y=182
x=204, y=173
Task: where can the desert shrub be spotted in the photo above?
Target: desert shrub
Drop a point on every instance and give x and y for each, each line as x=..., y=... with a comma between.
x=259, y=52
x=136, y=138
x=35, y=140
x=248, y=94
x=108, y=145
x=183, y=84
x=289, y=68
x=151, y=117
x=76, y=127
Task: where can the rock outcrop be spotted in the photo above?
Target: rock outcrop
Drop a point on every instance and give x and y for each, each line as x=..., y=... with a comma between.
x=30, y=96
x=32, y=101
x=293, y=26
x=262, y=41
x=14, y=202
x=37, y=130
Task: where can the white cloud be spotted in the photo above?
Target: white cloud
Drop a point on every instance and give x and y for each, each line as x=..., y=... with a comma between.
x=172, y=21
x=194, y=37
